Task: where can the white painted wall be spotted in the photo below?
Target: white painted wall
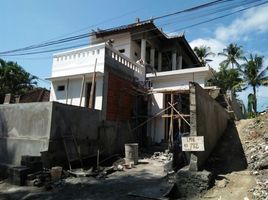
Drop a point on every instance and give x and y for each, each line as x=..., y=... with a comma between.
x=172, y=80
x=121, y=41
x=74, y=89
x=79, y=61
x=158, y=124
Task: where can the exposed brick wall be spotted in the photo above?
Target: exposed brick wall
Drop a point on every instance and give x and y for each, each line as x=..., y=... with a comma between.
x=119, y=108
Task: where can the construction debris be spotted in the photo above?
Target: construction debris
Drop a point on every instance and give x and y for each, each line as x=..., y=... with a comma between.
x=256, y=151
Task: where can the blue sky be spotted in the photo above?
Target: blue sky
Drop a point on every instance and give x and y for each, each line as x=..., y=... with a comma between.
x=33, y=21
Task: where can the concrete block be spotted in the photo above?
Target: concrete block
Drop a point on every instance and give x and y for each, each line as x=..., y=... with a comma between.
x=18, y=175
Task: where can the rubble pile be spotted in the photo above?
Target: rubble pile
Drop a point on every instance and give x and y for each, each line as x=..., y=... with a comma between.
x=256, y=152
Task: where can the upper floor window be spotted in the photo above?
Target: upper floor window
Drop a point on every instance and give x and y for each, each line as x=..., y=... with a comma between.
x=122, y=50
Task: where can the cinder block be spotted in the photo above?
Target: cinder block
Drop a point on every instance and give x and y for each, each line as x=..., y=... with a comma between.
x=18, y=175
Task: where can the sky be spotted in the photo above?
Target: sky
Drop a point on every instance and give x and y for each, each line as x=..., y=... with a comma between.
x=27, y=22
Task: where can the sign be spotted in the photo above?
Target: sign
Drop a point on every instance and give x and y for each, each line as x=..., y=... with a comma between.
x=193, y=143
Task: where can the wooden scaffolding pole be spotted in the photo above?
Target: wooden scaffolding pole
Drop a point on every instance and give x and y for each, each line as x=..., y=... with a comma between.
x=92, y=90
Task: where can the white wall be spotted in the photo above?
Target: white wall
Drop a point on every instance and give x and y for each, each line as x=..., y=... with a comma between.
x=171, y=81
x=74, y=91
x=121, y=41
x=79, y=61
x=158, y=123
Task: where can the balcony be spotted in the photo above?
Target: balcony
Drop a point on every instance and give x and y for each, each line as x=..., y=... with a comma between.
x=82, y=61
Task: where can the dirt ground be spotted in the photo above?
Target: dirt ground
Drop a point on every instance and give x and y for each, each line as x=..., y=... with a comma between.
x=235, y=180
x=117, y=185
x=235, y=162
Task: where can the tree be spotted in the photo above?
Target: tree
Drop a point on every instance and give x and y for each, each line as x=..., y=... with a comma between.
x=254, y=74
x=233, y=53
x=227, y=79
x=202, y=53
x=14, y=79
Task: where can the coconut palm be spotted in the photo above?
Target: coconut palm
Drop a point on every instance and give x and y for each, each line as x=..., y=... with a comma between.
x=202, y=53
x=233, y=53
x=227, y=79
x=254, y=74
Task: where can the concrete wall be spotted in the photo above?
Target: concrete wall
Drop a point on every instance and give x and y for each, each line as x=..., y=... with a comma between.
x=82, y=123
x=121, y=41
x=24, y=130
x=31, y=128
x=209, y=119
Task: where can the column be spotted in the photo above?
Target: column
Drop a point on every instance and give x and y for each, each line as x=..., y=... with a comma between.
x=143, y=50
x=174, y=60
x=159, y=61
x=152, y=54
x=180, y=62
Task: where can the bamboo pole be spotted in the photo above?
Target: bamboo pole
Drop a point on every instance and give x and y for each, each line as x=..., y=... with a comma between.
x=67, y=90
x=152, y=117
x=82, y=89
x=92, y=90
x=179, y=113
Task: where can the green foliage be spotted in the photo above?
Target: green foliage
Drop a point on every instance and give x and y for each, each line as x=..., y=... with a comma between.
x=227, y=79
x=232, y=53
x=14, y=79
x=254, y=75
x=202, y=53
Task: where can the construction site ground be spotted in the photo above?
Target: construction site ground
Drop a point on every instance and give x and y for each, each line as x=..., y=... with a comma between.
x=239, y=163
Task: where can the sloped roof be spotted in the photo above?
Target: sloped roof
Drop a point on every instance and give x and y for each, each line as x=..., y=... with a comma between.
x=150, y=26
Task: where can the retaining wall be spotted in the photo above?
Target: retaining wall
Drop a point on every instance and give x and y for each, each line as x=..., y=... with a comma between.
x=209, y=119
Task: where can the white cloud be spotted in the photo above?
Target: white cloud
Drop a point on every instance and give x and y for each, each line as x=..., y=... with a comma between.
x=215, y=45
x=253, y=21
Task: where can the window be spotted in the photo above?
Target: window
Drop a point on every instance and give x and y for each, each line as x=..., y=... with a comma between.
x=136, y=54
x=122, y=50
x=61, y=88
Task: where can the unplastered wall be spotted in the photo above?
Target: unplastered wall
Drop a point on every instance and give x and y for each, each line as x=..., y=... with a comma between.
x=207, y=118
x=73, y=121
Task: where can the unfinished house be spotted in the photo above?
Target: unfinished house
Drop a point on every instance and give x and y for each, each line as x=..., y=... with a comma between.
x=139, y=52
x=130, y=85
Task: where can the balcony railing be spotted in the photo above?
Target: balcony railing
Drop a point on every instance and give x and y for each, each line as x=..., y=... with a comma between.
x=82, y=61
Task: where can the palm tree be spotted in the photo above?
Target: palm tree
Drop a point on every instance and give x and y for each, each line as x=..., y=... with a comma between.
x=254, y=75
x=227, y=79
x=202, y=53
x=233, y=53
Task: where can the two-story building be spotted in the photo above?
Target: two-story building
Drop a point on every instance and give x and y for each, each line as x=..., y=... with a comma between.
x=120, y=64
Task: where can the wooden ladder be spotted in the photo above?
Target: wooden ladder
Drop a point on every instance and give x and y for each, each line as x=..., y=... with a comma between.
x=70, y=147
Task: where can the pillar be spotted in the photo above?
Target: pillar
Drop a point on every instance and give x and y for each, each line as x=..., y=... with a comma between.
x=159, y=61
x=180, y=62
x=143, y=50
x=174, y=60
x=152, y=55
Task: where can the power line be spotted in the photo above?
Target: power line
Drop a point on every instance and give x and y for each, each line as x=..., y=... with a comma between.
x=190, y=26
x=81, y=36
